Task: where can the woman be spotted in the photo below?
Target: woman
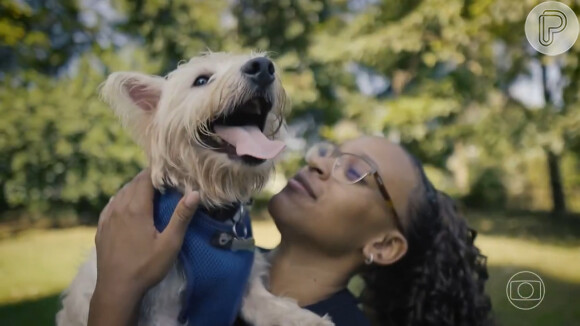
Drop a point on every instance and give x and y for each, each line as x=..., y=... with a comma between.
x=365, y=208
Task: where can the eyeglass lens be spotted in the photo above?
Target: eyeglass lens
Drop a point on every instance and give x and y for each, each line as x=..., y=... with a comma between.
x=349, y=168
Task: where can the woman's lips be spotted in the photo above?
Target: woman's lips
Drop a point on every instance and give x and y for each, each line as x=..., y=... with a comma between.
x=294, y=184
x=299, y=183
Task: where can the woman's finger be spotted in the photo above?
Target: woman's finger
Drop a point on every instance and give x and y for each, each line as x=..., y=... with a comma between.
x=175, y=230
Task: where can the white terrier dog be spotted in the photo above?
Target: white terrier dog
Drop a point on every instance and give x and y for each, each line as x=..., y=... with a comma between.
x=213, y=124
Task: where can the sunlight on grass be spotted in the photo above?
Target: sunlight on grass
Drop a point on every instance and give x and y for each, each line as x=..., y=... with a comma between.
x=266, y=234
x=558, y=262
x=36, y=265
x=42, y=262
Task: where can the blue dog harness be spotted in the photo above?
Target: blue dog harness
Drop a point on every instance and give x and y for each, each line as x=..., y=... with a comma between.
x=216, y=258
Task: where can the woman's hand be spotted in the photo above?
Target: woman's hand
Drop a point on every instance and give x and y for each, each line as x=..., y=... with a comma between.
x=132, y=255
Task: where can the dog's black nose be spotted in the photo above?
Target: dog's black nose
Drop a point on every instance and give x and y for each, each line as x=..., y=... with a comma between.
x=260, y=71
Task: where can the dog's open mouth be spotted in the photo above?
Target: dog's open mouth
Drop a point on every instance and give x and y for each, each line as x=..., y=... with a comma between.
x=241, y=133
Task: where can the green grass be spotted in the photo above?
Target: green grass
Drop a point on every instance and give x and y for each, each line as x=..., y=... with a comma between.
x=538, y=227
x=559, y=307
x=37, y=311
x=41, y=263
x=36, y=265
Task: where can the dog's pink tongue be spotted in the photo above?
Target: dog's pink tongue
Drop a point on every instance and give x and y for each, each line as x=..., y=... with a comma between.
x=249, y=140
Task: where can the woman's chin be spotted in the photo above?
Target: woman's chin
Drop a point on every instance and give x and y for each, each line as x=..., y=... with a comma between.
x=284, y=206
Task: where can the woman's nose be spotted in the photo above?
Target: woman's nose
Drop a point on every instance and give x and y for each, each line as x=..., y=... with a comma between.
x=321, y=165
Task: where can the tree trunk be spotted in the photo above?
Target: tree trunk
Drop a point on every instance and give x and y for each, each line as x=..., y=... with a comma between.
x=553, y=159
x=558, y=199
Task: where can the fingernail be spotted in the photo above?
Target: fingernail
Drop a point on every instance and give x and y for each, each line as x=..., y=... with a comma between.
x=191, y=198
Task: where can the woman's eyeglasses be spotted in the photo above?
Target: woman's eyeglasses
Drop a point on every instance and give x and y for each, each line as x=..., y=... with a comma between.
x=351, y=168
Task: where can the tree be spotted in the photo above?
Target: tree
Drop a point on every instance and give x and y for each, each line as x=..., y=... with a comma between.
x=42, y=35
x=436, y=75
x=57, y=148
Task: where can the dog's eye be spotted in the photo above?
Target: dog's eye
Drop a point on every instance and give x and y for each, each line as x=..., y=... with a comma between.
x=201, y=80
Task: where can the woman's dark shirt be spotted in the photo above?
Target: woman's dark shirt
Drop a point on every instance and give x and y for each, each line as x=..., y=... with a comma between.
x=341, y=307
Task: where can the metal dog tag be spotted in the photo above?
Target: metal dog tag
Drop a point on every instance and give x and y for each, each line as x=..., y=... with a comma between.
x=243, y=244
x=228, y=241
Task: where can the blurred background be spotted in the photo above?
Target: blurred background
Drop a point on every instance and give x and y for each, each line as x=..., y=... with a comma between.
x=496, y=124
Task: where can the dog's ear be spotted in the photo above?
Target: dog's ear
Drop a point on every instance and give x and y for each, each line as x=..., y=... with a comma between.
x=122, y=89
x=134, y=98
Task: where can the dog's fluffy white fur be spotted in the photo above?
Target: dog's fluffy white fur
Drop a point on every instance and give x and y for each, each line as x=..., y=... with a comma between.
x=168, y=118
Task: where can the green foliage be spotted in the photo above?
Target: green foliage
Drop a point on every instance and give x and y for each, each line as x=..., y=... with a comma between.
x=58, y=141
x=41, y=35
x=176, y=30
x=488, y=191
x=445, y=68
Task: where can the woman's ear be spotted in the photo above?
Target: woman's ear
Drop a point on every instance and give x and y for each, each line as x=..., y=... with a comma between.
x=386, y=249
x=134, y=97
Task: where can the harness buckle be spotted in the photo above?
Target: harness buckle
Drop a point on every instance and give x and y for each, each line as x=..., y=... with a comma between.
x=228, y=241
x=233, y=241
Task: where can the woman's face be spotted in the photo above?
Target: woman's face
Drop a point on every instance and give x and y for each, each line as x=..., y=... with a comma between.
x=317, y=210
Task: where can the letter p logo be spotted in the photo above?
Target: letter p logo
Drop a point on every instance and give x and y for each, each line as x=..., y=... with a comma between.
x=552, y=28
x=551, y=22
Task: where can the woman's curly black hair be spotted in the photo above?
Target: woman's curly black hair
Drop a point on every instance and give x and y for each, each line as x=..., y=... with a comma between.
x=440, y=280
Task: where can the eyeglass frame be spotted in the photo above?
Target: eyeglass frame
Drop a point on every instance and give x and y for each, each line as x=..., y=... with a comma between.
x=336, y=153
